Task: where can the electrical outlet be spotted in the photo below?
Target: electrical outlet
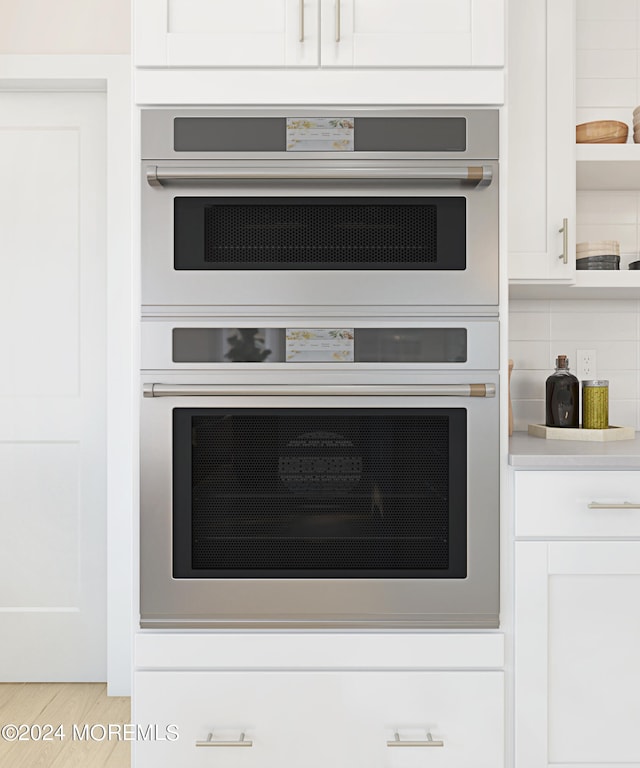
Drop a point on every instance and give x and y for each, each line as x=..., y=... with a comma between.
x=586, y=364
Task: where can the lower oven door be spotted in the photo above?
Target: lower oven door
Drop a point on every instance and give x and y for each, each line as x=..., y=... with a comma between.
x=320, y=505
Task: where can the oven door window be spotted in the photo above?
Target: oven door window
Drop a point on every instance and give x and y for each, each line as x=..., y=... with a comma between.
x=222, y=233
x=319, y=492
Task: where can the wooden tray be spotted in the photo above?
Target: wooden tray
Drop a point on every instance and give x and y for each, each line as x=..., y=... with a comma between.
x=588, y=435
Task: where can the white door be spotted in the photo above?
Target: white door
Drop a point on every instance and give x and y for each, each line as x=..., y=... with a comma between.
x=542, y=165
x=218, y=33
x=412, y=33
x=577, y=665
x=52, y=387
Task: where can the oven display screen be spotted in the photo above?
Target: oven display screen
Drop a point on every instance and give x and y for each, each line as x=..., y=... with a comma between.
x=310, y=492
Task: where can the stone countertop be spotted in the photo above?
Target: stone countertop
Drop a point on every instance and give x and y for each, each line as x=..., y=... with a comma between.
x=527, y=452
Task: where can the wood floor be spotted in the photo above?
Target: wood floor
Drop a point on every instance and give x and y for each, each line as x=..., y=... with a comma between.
x=69, y=705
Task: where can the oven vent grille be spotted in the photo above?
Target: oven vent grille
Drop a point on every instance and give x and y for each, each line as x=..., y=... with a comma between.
x=321, y=235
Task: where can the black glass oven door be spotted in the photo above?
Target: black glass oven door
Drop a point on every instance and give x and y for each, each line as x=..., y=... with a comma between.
x=302, y=233
x=319, y=492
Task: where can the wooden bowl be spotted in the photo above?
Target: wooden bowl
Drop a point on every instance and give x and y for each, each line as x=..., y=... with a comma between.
x=590, y=245
x=602, y=132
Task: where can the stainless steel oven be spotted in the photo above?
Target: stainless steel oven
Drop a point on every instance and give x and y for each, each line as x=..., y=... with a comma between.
x=334, y=207
x=300, y=475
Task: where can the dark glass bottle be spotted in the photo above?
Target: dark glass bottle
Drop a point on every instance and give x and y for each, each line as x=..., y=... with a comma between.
x=562, y=396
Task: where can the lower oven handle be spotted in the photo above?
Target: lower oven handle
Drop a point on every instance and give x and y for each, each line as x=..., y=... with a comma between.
x=355, y=390
x=158, y=176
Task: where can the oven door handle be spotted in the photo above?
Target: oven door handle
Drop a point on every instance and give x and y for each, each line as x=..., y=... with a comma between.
x=479, y=175
x=355, y=390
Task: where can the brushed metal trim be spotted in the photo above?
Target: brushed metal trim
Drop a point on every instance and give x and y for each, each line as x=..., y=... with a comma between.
x=624, y=505
x=480, y=390
x=428, y=742
x=159, y=176
x=565, y=241
x=386, y=622
x=310, y=390
x=241, y=742
x=152, y=176
x=301, y=29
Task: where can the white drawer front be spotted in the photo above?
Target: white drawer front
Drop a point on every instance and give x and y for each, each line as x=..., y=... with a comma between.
x=591, y=504
x=320, y=719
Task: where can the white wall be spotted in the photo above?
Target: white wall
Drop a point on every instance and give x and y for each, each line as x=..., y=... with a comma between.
x=65, y=26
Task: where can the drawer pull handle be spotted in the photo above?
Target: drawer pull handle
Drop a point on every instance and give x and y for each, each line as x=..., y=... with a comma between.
x=430, y=742
x=624, y=505
x=242, y=742
x=301, y=30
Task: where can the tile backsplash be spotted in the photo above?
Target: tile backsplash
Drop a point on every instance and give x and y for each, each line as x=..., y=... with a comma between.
x=540, y=330
x=607, y=60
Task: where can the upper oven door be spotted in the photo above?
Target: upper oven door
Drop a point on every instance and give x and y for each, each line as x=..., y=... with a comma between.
x=375, y=227
x=342, y=241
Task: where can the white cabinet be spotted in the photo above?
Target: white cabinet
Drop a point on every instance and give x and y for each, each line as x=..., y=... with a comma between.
x=328, y=33
x=319, y=699
x=572, y=504
x=541, y=177
x=176, y=33
x=577, y=620
x=411, y=33
x=318, y=719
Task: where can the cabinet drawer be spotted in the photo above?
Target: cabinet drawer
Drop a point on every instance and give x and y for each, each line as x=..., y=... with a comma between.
x=577, y=504
x=320, y=719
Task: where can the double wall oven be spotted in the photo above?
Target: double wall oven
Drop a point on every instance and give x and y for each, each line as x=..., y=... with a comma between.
x=320, y=357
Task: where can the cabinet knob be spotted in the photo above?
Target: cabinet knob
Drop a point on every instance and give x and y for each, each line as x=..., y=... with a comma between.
x=241, y=742
x=429, y=742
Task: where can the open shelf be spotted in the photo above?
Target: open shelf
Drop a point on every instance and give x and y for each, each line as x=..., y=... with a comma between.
x=608, y=166
x=596, y=284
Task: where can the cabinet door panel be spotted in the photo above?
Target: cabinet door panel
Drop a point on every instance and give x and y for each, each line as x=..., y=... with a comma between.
x=214, y=33
x=577, y=661
x=336, y=719
x=541, y=140
x=412, y=33
x=594, y=636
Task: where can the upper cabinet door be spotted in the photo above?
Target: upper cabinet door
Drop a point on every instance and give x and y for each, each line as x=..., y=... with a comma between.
x=412, y=33
x=542, y=166
x=219, y=33
x=284, y=33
